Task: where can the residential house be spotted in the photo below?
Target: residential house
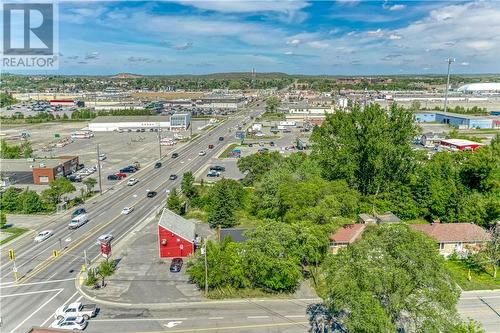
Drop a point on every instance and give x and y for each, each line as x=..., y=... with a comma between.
x=345, y=235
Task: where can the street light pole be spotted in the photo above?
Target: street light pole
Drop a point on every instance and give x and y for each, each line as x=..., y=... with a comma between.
x=159, y=141
x=99, y=170
x=206, y=266
x=449, y=60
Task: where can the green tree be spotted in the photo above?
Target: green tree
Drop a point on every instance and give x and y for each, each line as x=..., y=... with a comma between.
x=6, y=99
x=57, y=188
x=187, y=185
x=3, y=219
x=225, y=197
x=490, y=254
x=89, y=183
x=174, y=201
x=256, y=165
x=105, y=269
x=9, y=152
x=272, y=104
x=30, y=202
x=387, y=280
x=26, y=149
x=10, y=200
x=91, y=278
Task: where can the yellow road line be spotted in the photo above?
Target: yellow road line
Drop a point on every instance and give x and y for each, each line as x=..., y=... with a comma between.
x=208, y=329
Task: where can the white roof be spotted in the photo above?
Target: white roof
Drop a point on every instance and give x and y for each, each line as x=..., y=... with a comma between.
x=480, y=87
x=460, y=142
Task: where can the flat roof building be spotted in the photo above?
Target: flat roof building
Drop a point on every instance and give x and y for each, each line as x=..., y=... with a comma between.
x=38, y=171
x=115, y=123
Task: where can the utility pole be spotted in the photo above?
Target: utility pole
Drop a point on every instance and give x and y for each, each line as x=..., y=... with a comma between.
x=449, y=60
x=159, y=141
x=99, y=170
x=206, y=265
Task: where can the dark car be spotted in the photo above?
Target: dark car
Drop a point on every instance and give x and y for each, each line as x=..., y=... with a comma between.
x=221, y=138
x=80, y=166
x=172, y=177
x=175, y=155
x=79, y=211
x=129, y=169
x=176, y=265
x=218, y=168
x=151, y=194
x=271, y=143
x=113, y=177
x=210, y=146
x=157, y=165
x=75, y=178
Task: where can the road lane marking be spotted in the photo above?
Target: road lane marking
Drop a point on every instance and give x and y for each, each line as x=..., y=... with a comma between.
x=31, y=292
x=34, y=283
x=215, y=318
x=34, y=312
x=52, y=314
x=295, y=316
x=140, y=319
x=235, y=328
x=257, y=317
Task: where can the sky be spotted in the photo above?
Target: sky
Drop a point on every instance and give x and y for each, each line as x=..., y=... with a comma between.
x=345, y=37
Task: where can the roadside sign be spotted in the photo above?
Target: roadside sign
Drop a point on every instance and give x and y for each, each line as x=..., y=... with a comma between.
x=12, y=256
x=55, y=253
x=106, y=249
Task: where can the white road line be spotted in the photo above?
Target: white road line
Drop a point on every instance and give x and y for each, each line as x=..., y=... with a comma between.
x=257, y=317
x=52, y=315
x=140, y=319
x=295, y=316
x=32, y=292
x=35, y=283
x=215, y=318
x=102, y=213
x=34, y=312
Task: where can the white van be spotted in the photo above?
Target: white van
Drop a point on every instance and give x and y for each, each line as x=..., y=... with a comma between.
x=78, y=221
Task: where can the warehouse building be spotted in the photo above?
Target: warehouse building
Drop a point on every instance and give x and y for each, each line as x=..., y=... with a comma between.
x=461, y=121
x=38, y=171
x=175, y=122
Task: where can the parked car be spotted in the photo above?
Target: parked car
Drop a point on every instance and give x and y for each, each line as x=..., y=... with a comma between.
x=271, y=143
x=127, y=210
x=113, y=177
x=218, y=168
x=70, y=323
x=175, y=155
x=102, y=157
x=221, y=138
x=210, y=146
x=78, y=221
x=129, y=169
x=104, y=238
x=202, y=153
x=262, y=150
x=213, y=173
x=132, y=181
x=75, y=178
x=121, y=175
x=80, y=166
x=78, y=211
x=157, y=165
x=176, y=265
x=172, y=177
x=76, y=309
x=151, y=194
x=43, y=235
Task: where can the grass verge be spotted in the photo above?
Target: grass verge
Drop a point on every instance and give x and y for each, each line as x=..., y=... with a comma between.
x=480, y=279
x=14, y=233
x=227, y=152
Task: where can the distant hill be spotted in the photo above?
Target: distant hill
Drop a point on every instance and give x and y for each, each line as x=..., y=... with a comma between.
x=125, y=76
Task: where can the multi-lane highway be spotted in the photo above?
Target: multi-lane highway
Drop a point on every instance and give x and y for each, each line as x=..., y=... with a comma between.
x=46, y=282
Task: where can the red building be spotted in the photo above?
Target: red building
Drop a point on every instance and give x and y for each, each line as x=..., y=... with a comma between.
x=460, y=144
x=175, y=235
x=62, y=102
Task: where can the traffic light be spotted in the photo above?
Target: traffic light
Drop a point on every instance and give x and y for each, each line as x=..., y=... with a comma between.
x=55, y=253
x=12, y=256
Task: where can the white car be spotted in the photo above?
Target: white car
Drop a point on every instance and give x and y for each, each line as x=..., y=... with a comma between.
x=43, y=235
x=132, y=181
x=102, y=157
x=127, y=210
x=202, y=153
x=104, y=238
x=70, y=323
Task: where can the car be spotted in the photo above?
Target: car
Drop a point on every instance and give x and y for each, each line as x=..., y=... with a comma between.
x=76, y=309
x=80, y=166
x=202, y=153
x=121, y=175
x=157, y=165
x=151, y=194
x=210, y=146
x=262, y=150
x=176, y=265
x=70, y=323
x=78, y=211
x=102, y=157
x=221, y=138
x=213, y=173
x=143, y=130
x=218, y=168
x=43, y=235
x=127, y=210
x=75, y=178
x=250, y=145
x=78, y=221
x=172, y=177
x=129, y=169
x=104, y=239
x=132, y=181
x=271, y=143
x=113, y=177
x=175, y=155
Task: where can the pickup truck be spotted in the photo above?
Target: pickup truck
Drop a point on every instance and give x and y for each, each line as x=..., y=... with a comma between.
x=76, y=309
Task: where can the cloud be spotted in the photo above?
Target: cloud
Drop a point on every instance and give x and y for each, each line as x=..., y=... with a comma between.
x=140, y=59
x=375, y=33
x=395, y=37
x=92, y=55
x=245, y=6
x=393, y=8
x=347, y=2
x=72, y=57
x=482, y=45
x=319, y=44
x=289, y=53
x=390, y=57
x=183, y=46
x=465, y=63
x=293, y=42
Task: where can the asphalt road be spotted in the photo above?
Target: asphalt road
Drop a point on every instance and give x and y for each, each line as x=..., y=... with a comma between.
x=47, y=282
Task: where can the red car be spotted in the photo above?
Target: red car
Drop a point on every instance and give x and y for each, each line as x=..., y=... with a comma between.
x=210, y=146
x=121, y=175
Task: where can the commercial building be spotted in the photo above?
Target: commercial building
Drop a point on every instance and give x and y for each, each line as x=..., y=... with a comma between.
x=115, y=123
x=221, y=102
x=305, y=113
x=461, y=121
x=62, y=102
x=39, y=171
x=176, y=235
x=485, y=87
x=180, y=121
x=459, y=144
